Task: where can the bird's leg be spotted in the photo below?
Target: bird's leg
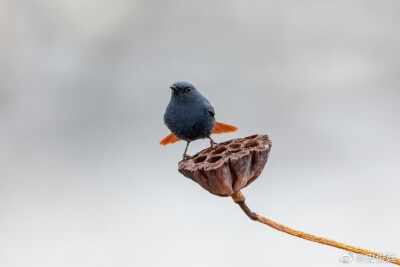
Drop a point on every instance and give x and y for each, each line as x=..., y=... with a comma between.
x=186, y=156
x=212, y=142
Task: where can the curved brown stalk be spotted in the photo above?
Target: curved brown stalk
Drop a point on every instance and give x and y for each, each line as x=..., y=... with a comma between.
x=239, y=199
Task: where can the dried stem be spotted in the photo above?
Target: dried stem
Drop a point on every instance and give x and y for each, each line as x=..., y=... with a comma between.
x=239, y=199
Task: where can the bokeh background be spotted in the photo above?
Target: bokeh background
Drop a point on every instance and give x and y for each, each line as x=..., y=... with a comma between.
x=83, y=88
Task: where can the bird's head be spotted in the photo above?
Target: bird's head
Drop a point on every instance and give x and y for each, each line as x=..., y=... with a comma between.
x=182, y=89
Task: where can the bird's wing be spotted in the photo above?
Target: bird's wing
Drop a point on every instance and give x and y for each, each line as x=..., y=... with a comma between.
x=209, y=108
x=211, y=111
x=169, y=139
x=219, y=126
x=223, y=128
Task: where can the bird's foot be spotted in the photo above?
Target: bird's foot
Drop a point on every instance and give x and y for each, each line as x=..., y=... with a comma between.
x=212, y=142
x=186, y=157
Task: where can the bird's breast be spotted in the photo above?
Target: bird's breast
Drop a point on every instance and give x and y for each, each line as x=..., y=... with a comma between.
x=189, y=122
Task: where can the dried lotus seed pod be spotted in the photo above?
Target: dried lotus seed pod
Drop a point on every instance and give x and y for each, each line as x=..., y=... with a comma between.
x=229, y=166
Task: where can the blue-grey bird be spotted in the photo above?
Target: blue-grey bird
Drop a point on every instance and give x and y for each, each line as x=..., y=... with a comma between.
x=189, y=116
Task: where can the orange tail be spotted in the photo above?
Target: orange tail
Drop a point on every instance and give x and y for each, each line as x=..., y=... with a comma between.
x=223, y=128
x=169, y=139
x=218, y=129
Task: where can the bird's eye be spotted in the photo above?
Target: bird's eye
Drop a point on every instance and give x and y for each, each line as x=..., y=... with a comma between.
x=187, y=89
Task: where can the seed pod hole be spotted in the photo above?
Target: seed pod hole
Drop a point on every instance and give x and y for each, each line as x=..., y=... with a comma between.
x=219, y=150
x=214, y=159
x=208, y=150
x=224, y=143
x=251, y=137
x=234, y=146
x=251, y=144
x=200, y=159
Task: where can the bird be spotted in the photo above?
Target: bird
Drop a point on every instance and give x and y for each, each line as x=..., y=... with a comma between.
x=190, y=116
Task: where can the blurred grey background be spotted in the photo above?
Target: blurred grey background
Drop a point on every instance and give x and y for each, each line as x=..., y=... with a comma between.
x=83, y=88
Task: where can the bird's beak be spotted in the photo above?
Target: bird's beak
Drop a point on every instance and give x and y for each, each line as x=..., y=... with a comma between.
x=174, y=89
